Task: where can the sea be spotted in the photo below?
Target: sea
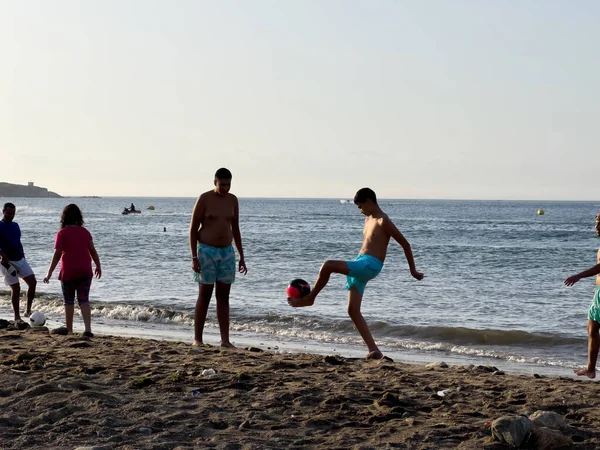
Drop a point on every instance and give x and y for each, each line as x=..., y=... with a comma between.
x=493, y=291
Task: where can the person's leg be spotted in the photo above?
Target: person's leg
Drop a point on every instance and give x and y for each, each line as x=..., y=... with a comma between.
x=68, y=290
x=15, y=293
x=83, y=298
x=593, y=328
x=86, y=314
x=31, y=285
x=204, y=295
x=354, y=303
x=222, y=295
x=69, y=312
x=325, y=272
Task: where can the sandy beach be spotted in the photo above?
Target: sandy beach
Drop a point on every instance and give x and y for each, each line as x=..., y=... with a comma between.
x=109, y=392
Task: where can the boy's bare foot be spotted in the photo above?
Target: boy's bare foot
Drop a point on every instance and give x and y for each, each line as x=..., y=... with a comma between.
x=227, y=345
x=197, y=344
x=307, y=300
x=585, y=373
x=375, y=354
x=27, y=314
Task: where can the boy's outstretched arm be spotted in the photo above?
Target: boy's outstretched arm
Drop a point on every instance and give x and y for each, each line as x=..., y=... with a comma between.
x=595, y=270
x=394, y=232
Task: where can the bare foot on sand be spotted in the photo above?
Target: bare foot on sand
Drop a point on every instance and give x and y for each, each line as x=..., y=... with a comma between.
x=375, y=354
x=585, y=373
x=198, y=344
x=227, y=345
x=307, y=300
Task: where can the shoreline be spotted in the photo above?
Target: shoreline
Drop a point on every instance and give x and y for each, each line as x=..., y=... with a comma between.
x=178, y=333
x=115, y=392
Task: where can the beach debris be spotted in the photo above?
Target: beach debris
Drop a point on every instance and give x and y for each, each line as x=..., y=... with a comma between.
x=141, y=382
x=3, y=324
x=444, y=392
x=245, y=425
x=547, y=439
x=512, y=430
x=177, y=377
x=437, y=365
x=208, y=373
x=196, y=393
x=145, y=430
x=243, y=376
x=411, y=422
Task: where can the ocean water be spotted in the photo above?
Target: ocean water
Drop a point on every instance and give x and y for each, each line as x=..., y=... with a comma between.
x=493, y=291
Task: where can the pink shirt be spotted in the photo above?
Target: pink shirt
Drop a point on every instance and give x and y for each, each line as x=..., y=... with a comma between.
x=76, y=261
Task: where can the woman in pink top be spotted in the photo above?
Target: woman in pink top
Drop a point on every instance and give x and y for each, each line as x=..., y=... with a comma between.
x=74, y=248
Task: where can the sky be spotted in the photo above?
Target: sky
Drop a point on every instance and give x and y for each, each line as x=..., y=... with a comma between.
x=302, y=98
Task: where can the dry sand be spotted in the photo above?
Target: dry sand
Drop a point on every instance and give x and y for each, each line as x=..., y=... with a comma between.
x=66, y=392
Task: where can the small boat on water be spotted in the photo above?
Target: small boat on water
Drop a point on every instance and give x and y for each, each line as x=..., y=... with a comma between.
x=127, y=211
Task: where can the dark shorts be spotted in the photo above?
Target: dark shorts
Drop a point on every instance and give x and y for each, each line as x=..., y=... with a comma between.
x=79, y=287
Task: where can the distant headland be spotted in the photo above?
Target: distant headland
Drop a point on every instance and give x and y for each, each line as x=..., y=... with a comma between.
x=29, y=190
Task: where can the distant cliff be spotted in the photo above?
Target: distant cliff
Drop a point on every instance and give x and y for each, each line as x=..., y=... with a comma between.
x=18, y=190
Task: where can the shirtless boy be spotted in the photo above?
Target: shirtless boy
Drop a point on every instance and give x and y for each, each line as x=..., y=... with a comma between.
x=377, y=233
x=593, y=326
x=214, y=225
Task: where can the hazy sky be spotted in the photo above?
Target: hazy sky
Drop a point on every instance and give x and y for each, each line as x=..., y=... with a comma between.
x=416, y=99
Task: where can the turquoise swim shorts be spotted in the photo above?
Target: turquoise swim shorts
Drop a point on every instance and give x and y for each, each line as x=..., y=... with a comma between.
x=594, y=312
x=216, y=264
x=362, y=269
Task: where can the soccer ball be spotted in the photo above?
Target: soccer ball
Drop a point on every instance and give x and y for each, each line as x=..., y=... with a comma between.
x=37, y=319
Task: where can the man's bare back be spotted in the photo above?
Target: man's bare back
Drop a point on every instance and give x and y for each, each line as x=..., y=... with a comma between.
x=217, y=212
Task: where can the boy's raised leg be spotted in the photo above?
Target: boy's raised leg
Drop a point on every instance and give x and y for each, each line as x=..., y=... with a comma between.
x=354, y=303
x=222, y=294
x=204, y=295
x=325, y=272
x=593, y=346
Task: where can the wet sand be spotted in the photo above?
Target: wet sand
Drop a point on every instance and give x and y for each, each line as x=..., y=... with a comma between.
x=126, y=393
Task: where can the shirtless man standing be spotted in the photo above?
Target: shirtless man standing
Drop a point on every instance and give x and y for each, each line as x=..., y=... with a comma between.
x=214, y=225
x=593, y=325
x=367, y=265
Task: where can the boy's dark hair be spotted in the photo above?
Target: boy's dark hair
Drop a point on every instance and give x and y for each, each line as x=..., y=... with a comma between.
x=223, y=174
x=365, y=194
x=71, y=215
x=9, y=205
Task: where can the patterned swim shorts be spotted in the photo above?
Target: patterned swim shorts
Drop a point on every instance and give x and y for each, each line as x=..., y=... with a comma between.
x=216, y=264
